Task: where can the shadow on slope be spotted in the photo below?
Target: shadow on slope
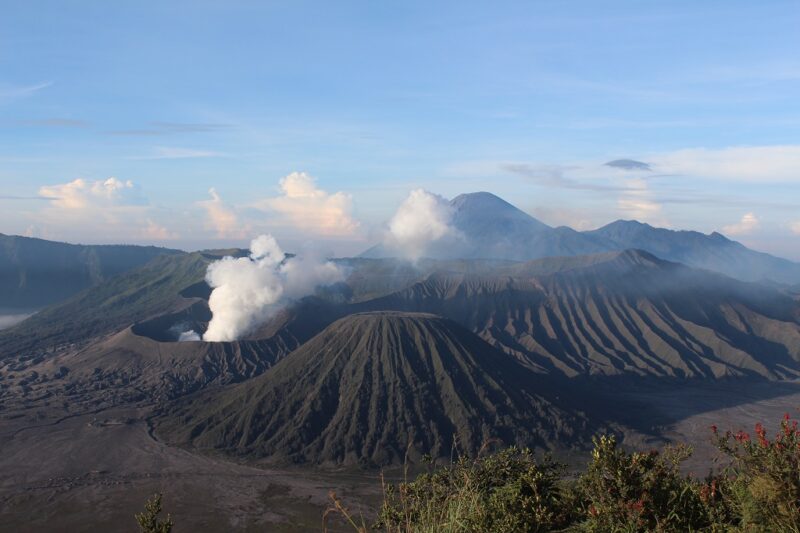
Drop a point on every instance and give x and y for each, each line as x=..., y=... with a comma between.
x=619, y=313
x=370, y=385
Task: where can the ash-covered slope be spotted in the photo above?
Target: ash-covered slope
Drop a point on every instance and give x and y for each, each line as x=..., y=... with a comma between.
x=128, y=368
x=619, y=313
x=712, y=252
x=35, y=272
x=368, y=386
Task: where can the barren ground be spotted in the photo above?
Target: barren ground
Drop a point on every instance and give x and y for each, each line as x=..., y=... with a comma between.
x=93, y=472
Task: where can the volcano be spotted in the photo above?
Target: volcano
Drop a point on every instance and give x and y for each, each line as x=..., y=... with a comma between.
x=372, y=387
x=488, y=227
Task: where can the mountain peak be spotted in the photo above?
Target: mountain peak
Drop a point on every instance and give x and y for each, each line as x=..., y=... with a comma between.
x=489, y=227
x=482, y=199
x=628, y=224
x=477, y=209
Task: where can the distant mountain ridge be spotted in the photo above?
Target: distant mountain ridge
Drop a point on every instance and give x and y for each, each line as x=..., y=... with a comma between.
x=712, y=252
x=35, y=272
x=494, y=229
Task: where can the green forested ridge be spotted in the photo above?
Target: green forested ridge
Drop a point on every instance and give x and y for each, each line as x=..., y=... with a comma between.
x=35, y=272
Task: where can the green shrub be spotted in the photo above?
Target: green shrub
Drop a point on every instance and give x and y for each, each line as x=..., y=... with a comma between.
x=619, y=491
x=148, y=520
x=765, y=477
x=645, y=491
x=505, y=492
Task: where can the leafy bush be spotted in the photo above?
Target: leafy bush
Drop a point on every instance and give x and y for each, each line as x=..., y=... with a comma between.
x=765, y=477
x=506, y=492
x=149, y=521
x=644, y=491
x=619, y=491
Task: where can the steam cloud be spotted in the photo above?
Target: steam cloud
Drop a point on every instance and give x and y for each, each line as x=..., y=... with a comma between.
x=7, y=321
x=248, y=290
x=422, y=219
x=190, y=335
x=183, y=332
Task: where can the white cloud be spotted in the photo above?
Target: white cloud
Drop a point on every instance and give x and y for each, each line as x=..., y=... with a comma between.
x=637, y=202
x=748, y=224
x=83, y=194
x=795, y=227
x=779, y=163
x=421, y=220
x=157, y=232
x=222, y=218
x=37, y=232
x=308, y=208
x=110, y=210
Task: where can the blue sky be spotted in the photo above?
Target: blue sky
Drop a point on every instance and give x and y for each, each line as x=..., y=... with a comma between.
x=364, y=101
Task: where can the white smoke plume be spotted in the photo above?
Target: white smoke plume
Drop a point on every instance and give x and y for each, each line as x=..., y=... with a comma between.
x=248, y=290
x=422, y=219
x=183, y=332
x=190, y=335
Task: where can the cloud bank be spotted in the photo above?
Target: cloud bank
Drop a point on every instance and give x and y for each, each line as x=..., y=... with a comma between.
x=221, y=217
x=637, y=202
x=748, y=224
x=777, y=163
x=308, y=208
x=248, y=290
x=421, y=220
x=88, y=194
x=81, y=206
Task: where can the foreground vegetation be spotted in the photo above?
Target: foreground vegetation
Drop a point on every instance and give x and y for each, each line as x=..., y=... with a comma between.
x=758, y=490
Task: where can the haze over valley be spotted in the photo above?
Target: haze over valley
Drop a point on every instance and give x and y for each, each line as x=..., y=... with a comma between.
x=497, y=328
x=303, y=266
